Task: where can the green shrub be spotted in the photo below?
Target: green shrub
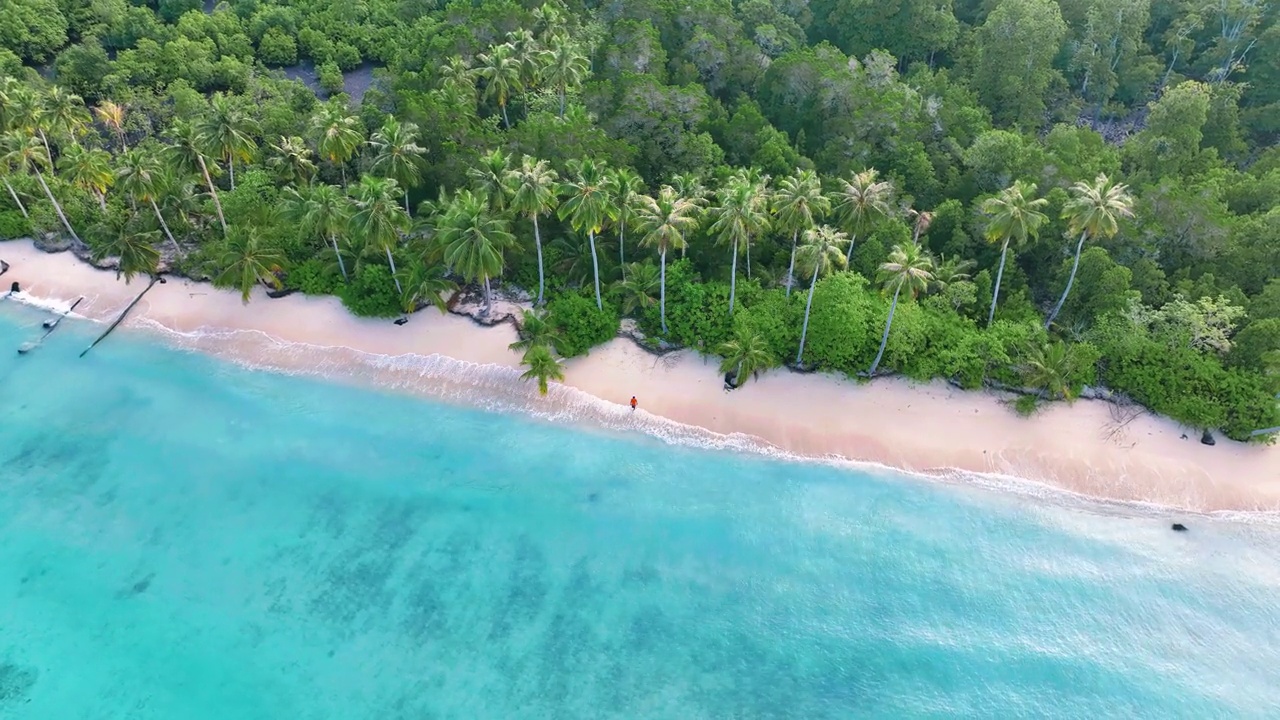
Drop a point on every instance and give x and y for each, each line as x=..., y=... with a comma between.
x=13, y=225
x=316, y=276
x=580, y=324
x=697, y=311
x=1026, y=405
x=371, y=293
x=845, y=324
x=777, y=319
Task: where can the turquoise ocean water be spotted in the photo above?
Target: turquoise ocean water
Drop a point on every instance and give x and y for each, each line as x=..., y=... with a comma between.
x=184, y=539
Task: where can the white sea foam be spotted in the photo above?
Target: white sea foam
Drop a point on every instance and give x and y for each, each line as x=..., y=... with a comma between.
x=500, y=388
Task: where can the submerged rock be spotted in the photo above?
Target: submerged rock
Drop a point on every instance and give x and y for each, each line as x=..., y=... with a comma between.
x=1179, y=527
x=1207, y=438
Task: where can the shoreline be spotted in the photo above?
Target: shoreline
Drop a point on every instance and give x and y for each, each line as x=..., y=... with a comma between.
x=1089, y=449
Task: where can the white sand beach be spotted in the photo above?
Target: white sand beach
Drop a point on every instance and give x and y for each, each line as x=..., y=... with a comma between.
x=1090, y=447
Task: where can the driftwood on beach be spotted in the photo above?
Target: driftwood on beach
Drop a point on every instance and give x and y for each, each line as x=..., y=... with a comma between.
x=112, y=326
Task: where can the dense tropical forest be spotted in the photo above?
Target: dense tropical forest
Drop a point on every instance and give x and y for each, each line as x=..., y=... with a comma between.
x=1041, y=194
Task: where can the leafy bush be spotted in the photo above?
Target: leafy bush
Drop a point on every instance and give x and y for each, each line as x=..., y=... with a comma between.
x=580, y=324
x=13, y=225
x=315, y=277
x=697, y=312
x=371, y=293
x=777, y=319
x=844, y=325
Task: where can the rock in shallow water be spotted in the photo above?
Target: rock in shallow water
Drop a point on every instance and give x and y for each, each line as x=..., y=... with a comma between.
x=1179, y=527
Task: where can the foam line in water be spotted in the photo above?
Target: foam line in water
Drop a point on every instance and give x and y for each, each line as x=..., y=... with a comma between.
x=500, y=388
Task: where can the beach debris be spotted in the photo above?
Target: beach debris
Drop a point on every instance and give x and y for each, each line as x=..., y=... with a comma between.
x=15, y=288
x=49, y=326
x=4, y=267
x=1179, y=527
x=27, y=347
x=154, y=279
x=1207, y=439
x=401, y=321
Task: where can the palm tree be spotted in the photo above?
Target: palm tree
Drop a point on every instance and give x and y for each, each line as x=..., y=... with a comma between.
x=502, y=73
x=63, y=114
x=738, y=216
x=473, y=240
x=860, y=201
x=529, y=54
x=796, y=203
x=1050, y=369
x=909, y=267
x=397, y=154
x=247, y=262
x=566, y=68
x=188, y=153
x=113, y=115
x=139, y=176
x=291, y=160
x=323, y=210
x=135, y=250
x=587, y=207
x=533, y=187
x=338, y=134
x=27, y=152
x=89, y=169
x=948, y=271
x=227, y=132
x=490, y=178
x=543, y=367
x=819, y=255
x=426, y=282
x=7, y=169
x=1014, y=215
x=664, y=221
x=690, y=187
x=535, y=329
x=379, y=219
x=744, y=356
x=456, y=75
x=1093, y=211
x=624, y=184
x=639, y=287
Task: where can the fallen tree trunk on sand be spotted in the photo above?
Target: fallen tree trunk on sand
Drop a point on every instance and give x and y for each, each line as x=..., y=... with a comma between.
x=154, y=279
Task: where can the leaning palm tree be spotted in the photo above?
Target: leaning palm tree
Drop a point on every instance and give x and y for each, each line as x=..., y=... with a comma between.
x=426, y=282
x=1093, y=211
x=27, y=153
x=910, y=268
x=1013, y=215
x=745, y=355
x=797, y=202
x=338, y=135
x=533, y=189
x=227, y=133
x=322, y=210
x=7, y=170
x=503, y=76
x=248, y=262
x=134, y=250
x=587, y=206
x=291, y=160
x=473, y=240
x=543, y=367
x=566, y=68
x=88, y=169
x=664, y=222
x=489, y=178
x=823, y=251
x=860, y=201
x=139, y=176
x=535, y=329
x=113, y=116
x=188, y=153
x=739, y=215
x=624, y=186
x=379, y=219
x=397, y=154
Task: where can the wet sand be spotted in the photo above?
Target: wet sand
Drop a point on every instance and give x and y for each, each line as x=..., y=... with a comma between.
x=1090, y=447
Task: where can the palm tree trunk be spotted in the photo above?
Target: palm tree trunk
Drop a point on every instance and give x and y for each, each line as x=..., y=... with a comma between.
x=562, y=102
x=124, y=146
x=1004, y=250
x=537, y=243
x=213, y=191
x=884, y=339
x=662, y=289
x=506, y=122
x=165, y=225
x=791, y=273
x=47, y=151
x=733, y=279
x=622, y=248
x=748, y=258
x=61, y=215
x=392, y=262
x=1074, y=266
x=102, y=200
x=595, y=265
x=406, y=201
x=848, y=256
x=341, y=265
x=13, y=194
x=488, y=296
x=231, y=164
x=804, y=329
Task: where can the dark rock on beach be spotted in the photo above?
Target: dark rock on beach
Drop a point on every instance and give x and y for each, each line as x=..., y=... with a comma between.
x=1207, y=438
x=1179, y=527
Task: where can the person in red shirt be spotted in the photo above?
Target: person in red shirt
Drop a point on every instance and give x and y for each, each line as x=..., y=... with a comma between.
x=633, y=402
